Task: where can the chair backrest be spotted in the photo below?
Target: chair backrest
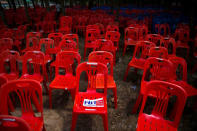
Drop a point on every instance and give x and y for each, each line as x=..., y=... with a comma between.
x=104, y=45
x=11, y=57
x=164, y=29
x=57, y=37
x=65, y=21
x=48, y=26
x=12, y=123
x=179, y=68
x=67, y=58
x=170, y=44
x=143, y=31
x=34, y=57
x=67, y=45
x=73, y=37
x=155, y=38
x=91, y=27
x=160, y=52
x=35, y=43
x=131, y=33
x=3, y=80
x=142, y=49
x=6, y=43
x=27, y=91
x=164, y=91
x=112, y=28
x=48, y=44
x=102, y=57
x=91, y=35
x=32, y=34
x=91, y=69
x=157, y=69
x=114, y=36
x=182, y=34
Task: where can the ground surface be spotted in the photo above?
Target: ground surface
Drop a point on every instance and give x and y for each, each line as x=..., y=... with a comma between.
x=59, y=118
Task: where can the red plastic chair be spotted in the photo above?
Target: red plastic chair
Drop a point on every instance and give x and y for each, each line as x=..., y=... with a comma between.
x=91, y=36
x=170, y=44
x=112, y=28
x=114, y=36
x=6, y=43
x=36, y=58
x=27, y=91
x=73, y=37
x=180, y=75
x=155, y=38
x=11, y=123
x=140, y=55
x=157, y=120
x=33, y=45
x=130, y=37
x=48, y=26
x=64, y=59
x=9, y=59
x=90, y=102
x=3, y=80
x=143, y=31
x=102, y=30
x=154, y=69
x=163, y=29
x=57, y=37
x=105, y=58
x=66, y=23
x=68, y=45
x=106, y=45
x=159, y=52
x=32, y=34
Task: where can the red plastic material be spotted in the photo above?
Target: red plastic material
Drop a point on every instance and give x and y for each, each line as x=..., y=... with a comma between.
x=35, y=45
x=36, y=58
x=73, y=37
x=140, y=55
x=154, y=69
x=155, y=38
x=57, y=37
x=3, y=80
x=130, y=37
x=159, y=52
x=114, y=36
x=32, y=34
x=163, y=29
x=91, y=36
x=12, y=123
x=6, y=43
x=8, y=59
x=65, y=60
x=170, y=44
x=66, y=24
x=68, y=45
x=180, y=66
x=46, y=26
x=97, y=100
x=105, y=58
x=27, y=91
x=156, y=120
x=112, y=28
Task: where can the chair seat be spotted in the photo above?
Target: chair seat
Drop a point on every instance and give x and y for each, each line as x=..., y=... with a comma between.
x=63, y=81
x=36, y=123
x=100, y=81
x=130, y=42
x=101, y=106
x=11, y=76
x=137, y=63
x=153, y=123
x=37, y=77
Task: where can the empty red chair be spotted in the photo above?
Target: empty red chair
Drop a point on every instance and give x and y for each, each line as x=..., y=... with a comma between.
x=91, y=36
x=12, y=123
x=102, y=30
x=114, y=36
x=91, y=101
x=80, y=24
x=9, y=59
x=73, y=37
x=105, y=58
x=32, y=34
x=27, y=91
x=154, y=69
x=163, y=29
x=33, y=45
x=170, y=44
x=48, y=26
x=6, y=43
x=160, y=52
x=65, y=23
x=155, y=38
x=156, y=120
x=130, y=37
x=143, y=31
x=36, y=58
x=65, y=60
x=68, y=45
x=140, y=55
x=57, y=37
x=112, y=28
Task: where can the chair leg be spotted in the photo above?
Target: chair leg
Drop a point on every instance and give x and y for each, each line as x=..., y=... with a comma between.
x=115, y=97
x=72, y=92
x=139, y=99
x=50, y=98
x=84, y=53
x=126, y=73
x=45, y=86
x=124, y=50
x=51, y=73
x=74, y=121
x=105, y=122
